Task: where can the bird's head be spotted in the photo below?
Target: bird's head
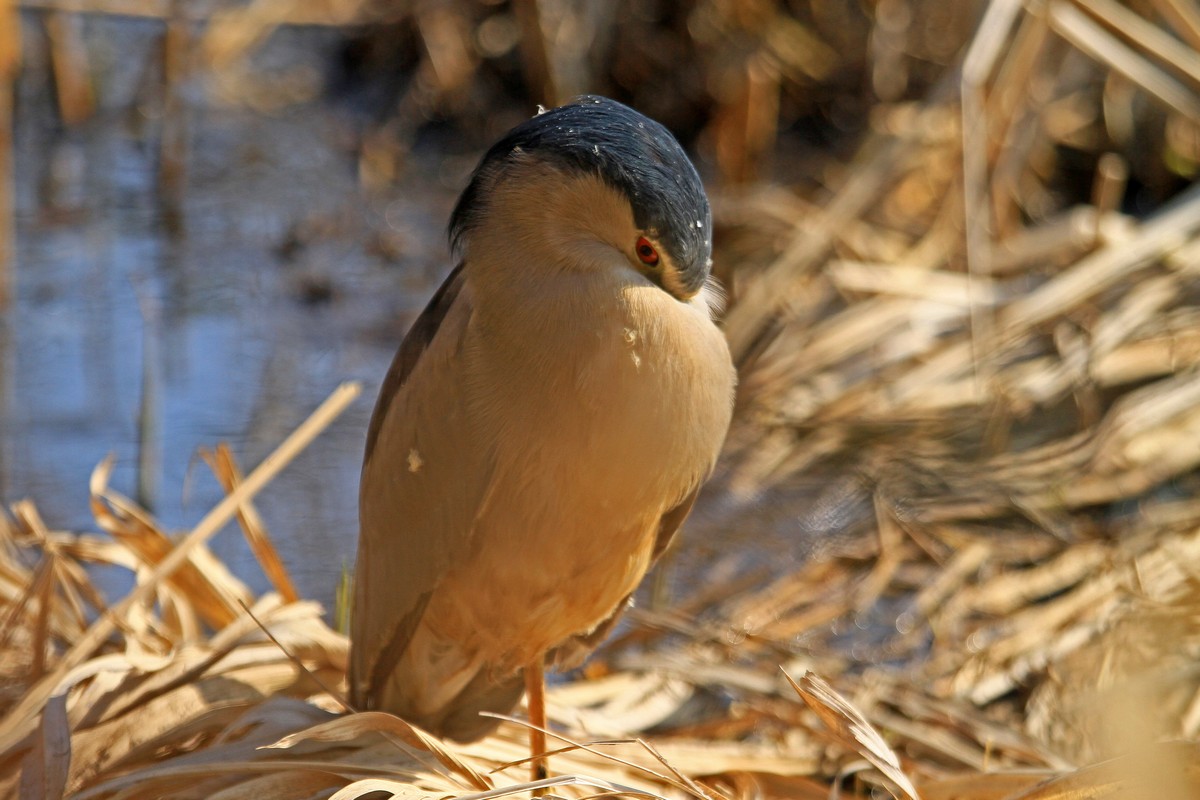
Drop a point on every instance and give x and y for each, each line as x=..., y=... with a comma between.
x=577, y=182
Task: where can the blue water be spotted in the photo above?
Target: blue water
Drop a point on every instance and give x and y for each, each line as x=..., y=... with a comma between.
x=239, y=345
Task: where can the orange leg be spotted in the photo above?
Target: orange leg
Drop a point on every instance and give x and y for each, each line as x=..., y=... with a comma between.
x=535, y=692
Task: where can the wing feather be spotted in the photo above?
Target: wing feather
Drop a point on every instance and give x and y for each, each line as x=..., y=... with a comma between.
x=421, y=485
x=416, y=342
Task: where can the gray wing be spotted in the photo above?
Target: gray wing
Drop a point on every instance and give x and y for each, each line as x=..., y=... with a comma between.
x=420, y=488
x=416, y=342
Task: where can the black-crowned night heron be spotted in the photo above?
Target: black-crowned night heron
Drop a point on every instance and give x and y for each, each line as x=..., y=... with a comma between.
x=546, y=424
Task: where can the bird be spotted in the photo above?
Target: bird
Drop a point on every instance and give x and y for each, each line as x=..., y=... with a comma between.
x=545, y=425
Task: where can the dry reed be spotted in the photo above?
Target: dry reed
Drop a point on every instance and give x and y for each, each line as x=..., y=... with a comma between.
x=999, y=370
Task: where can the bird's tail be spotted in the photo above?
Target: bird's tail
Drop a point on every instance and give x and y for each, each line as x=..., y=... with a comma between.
x=461, y=718
x=442, y=688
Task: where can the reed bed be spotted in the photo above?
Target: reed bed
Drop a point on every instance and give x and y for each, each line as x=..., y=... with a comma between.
x=980, y=334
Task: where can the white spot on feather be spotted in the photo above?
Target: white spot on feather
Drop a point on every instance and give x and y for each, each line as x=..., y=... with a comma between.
x=630, y=336
x=415, y=462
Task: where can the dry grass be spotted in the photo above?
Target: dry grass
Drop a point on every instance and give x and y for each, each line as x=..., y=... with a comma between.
x=1000, y=369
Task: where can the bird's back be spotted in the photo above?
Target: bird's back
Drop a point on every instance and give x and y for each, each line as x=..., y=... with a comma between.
x=547, y=422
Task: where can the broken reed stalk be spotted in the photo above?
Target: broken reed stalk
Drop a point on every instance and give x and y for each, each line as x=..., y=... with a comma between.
x=1183, y=16
x=225, y=467
x=149, y=414
x=979, y=63
x=173, y=146
x=71, y=67
x=1151, y=39
x=1079, y=29
x=19, y=721
x=535, y=53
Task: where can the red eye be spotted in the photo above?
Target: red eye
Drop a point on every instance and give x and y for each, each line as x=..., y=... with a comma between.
x=646, y=252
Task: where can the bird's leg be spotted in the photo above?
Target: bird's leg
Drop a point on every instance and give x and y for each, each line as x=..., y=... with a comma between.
x=535, y=692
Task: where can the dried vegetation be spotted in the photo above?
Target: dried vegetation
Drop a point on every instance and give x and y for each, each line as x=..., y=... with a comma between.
x=983, y=330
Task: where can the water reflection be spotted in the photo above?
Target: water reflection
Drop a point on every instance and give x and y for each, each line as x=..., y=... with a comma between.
x=242, y=346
